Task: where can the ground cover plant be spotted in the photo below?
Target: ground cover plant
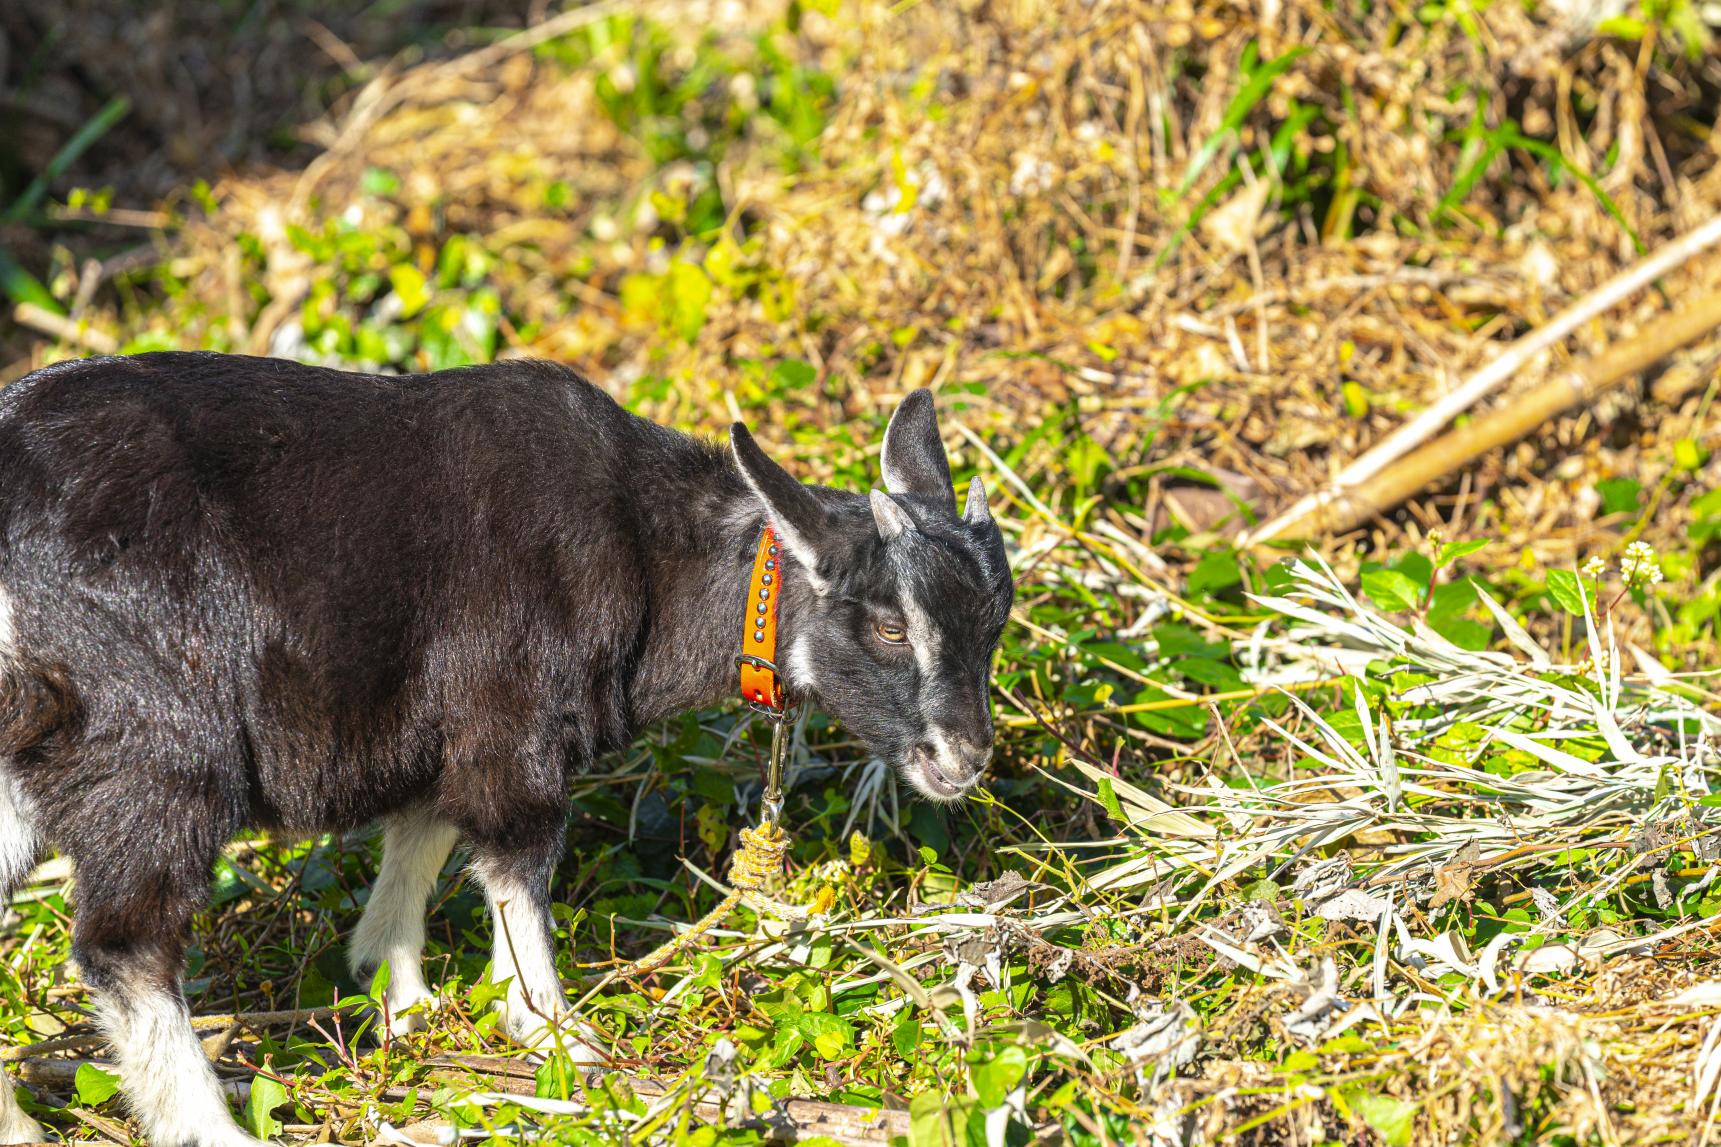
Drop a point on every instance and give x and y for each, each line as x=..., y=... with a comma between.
x=1406, y=835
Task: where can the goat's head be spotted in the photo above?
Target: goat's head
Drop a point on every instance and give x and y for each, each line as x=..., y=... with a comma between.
x=907, y=600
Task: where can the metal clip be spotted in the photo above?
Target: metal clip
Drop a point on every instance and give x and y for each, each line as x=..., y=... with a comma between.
x=778, y=709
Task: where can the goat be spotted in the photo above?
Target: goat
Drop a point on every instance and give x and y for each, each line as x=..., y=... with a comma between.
x=241, y=592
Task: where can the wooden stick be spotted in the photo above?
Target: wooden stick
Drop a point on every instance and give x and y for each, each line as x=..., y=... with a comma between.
x=1491, y=377
x=1349, y=508
x=46, y=321
x=252, y=1020
x=858, y=1126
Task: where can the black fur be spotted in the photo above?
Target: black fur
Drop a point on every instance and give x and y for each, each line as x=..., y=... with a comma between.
x=247, y=592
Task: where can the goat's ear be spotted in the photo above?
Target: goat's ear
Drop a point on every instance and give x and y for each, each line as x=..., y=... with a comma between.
x=913, y=459
x=799, y=519
x=975, y=511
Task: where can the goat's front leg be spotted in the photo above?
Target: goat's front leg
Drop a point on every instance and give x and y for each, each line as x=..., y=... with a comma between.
x=18, y=848
x=414, y=847
x=535, y=1012
x=129, y=939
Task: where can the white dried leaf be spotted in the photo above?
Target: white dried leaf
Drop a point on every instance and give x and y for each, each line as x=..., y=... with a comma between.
x=1323, y=878
x=1168, y=1036
x=1549, y=959
x=1353, y=904
x=1704, y=995
x=1260, y=922
x=1309, y=1021
x=1232, y=225
x=1546, y=903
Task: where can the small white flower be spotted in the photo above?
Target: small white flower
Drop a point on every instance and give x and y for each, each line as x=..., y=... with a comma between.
x=1595, y=568
x=1638, y=567
x=1031, y=176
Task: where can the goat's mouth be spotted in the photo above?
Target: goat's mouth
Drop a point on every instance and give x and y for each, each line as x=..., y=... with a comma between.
x=927, y=775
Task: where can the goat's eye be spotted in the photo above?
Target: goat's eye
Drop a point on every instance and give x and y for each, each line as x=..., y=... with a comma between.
x=891, y=634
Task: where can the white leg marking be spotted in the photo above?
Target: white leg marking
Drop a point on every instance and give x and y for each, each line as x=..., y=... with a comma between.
x=172, y=1090
x=15, y=1126
x=18, y=848
x=414, y=847
x=19, y=844
x=524, y=954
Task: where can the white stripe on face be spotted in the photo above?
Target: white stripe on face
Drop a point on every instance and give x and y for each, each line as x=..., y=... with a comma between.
x=923, y=636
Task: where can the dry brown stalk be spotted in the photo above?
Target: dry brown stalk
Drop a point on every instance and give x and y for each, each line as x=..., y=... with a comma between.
x=67, y=330
x=1345, y=509
x=1491, y=377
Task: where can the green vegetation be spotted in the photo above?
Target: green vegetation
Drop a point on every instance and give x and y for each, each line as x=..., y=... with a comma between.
x=1409, y=847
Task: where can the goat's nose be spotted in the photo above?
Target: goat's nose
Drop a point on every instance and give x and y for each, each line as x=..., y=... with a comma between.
x=970, y=755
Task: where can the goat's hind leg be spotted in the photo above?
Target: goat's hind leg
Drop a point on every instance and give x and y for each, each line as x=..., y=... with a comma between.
x=19, y=846
x=415, y=845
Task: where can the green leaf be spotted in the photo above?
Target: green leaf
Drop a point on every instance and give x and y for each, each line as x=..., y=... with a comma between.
x=1452, y=551
x=689, y=292
x=1108, y=798
x=1391, y=590
x=1214, y=674
x=379, y=983
x=1254, y=89
x=1176, y=640
x=1563, y=588
x=1217, y=570
x=793, y=374
x=82, y=140
x=1463, y=632
x=1392, y=1119
x=1620, y=495
x=1185, y=722
x=379, y=181
x=994, y=1078
x=831, y=1036
x=905, y=1036
x=266, y=1095
x=935, y=1120
x=259, y=1113
x=410, y=287
x=95, y=1086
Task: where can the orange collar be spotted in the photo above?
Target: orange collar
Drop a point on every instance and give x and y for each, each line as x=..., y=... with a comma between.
x=760, y=684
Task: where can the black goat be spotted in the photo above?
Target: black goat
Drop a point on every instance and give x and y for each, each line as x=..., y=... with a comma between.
x=244, y=592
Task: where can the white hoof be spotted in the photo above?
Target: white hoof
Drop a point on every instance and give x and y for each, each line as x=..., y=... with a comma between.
x=578, y=1041
x=406, y=1015
x=16, y=1127
x=411, y=1015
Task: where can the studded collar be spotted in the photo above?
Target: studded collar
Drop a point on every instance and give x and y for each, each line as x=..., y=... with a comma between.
x=761, y=685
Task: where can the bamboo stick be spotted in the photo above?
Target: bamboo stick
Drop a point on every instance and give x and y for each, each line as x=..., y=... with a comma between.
x=1491, y=377
x=1346, y=509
